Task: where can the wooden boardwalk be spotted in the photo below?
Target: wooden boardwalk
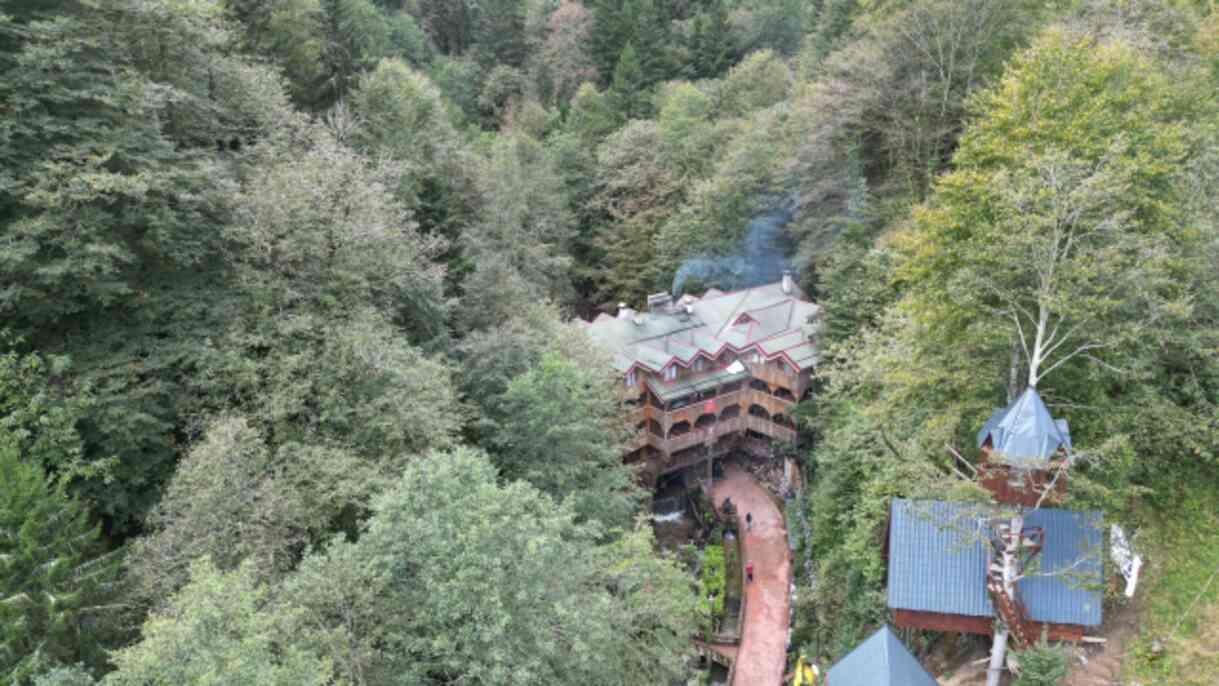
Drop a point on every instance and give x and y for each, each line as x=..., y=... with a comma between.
x=762, y=655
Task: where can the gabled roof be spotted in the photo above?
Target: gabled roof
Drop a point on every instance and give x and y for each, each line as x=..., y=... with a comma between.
x=1024, y=433
x=777, y=324
x=937, y=562
x=882, y=660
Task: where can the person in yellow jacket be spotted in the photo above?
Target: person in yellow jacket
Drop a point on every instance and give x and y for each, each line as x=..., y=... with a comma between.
x=807, y=673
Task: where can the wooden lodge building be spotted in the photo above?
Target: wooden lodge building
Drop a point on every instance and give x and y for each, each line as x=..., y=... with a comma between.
x=943, y=573
x=703, y=376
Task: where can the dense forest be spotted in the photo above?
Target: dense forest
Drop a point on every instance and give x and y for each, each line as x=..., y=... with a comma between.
x=288, y=383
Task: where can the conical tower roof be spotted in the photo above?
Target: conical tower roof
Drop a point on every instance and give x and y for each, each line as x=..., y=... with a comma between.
x=881, y=660
x=1024, y=433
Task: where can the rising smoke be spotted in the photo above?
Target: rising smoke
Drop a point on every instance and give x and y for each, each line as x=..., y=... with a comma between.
x=760, y=258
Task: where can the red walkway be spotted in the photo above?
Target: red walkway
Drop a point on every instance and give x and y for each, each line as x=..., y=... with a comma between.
x=762, y=655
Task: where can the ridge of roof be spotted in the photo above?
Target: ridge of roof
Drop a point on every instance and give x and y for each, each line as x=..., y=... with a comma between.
x=707, y=327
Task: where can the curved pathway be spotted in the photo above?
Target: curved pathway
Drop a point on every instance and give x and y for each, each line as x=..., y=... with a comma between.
x=762, y=655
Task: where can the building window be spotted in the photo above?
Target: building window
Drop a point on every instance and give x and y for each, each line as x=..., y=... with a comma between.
x=671, y=372
x=699, y=363
x=630, y=379
x=755, y=357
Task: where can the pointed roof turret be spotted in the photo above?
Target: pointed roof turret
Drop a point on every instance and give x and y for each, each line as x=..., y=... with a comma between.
x=1024, y=433
x=881, y=660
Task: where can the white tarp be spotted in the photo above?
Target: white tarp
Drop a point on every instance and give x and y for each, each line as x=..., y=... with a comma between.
x=1128, y=562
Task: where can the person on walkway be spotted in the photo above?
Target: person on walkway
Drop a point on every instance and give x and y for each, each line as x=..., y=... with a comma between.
x=749, y=521
x=749, y=572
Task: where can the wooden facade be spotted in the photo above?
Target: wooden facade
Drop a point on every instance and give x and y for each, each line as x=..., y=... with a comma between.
x=684, y=431
x=1016, y=486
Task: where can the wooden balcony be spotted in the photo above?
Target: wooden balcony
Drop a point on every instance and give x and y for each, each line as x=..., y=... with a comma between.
x=689, y=413
x=768, y=402
x=774, y=376
x=728, y=399
x=710, y=434
x=769, y=428
x=687, y=440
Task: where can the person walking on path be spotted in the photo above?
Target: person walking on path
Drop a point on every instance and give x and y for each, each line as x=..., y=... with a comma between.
x=749, y=521
x=749, y=572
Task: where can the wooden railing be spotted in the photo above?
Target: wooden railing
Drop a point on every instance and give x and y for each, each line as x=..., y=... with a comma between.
x=711, y=433
x=769, y=402
x=708, y=433
x=769, y=428
x=773, y=376
x=727, y=400
x=687, y=440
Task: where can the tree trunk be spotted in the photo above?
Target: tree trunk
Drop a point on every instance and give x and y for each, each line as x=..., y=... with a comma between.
x=998, y=650
x=1011, y=550
x=1039, y=345
x=1013, y=373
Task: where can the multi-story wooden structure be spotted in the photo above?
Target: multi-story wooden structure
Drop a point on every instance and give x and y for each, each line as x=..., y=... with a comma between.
x=704, y=376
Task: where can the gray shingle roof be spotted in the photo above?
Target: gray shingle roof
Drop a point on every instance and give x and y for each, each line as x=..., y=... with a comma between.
x=882, y=660
x=937, y=562
x=1024, y=433
x=780, y=324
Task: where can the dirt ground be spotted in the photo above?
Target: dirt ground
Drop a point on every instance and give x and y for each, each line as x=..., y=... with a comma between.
x=1091, y=664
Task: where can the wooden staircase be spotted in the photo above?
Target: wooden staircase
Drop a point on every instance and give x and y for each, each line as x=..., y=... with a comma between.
x=1008, y=606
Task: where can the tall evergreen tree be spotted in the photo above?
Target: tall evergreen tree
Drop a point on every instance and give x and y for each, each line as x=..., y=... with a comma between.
x=628, y=89
x=614, y=23
x=55, y=581
x=653, y=40
x=712, y=49
x=355, y=37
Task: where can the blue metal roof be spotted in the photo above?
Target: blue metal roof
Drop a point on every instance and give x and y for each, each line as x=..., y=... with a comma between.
x=937, y=562
x=882, y=660
x=1024, y=432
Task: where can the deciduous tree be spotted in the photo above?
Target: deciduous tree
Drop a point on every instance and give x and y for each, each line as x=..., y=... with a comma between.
x=217, y=630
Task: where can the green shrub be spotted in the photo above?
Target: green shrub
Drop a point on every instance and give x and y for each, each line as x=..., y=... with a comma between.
x=711, y=583
x=1042, y=665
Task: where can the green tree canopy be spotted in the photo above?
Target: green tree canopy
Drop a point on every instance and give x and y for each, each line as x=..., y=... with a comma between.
x=217, y=630
x=560, y=427
x=461, y=577
x=57, y=586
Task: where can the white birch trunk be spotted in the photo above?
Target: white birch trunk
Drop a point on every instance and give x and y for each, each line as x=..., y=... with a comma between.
x=1039, y=344
x=998, y=650
x=1011, y=552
